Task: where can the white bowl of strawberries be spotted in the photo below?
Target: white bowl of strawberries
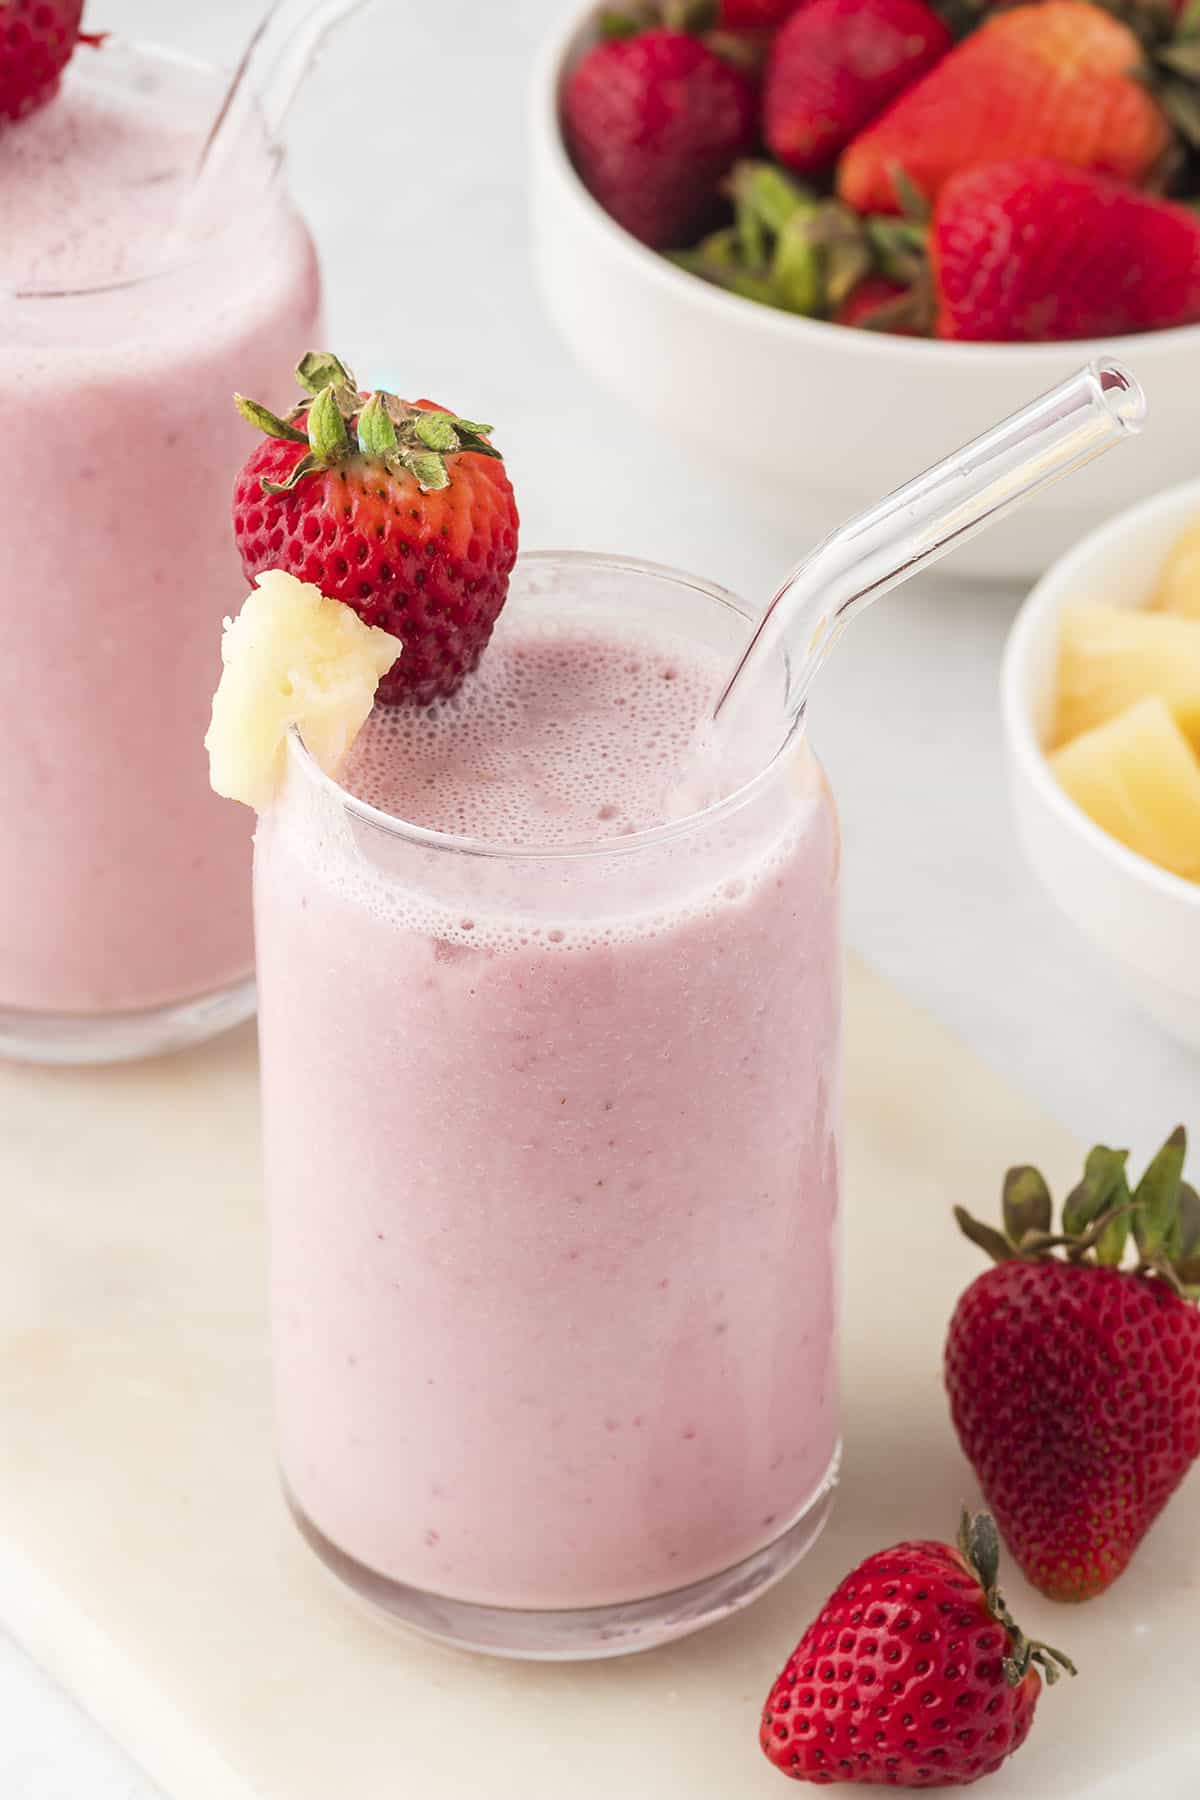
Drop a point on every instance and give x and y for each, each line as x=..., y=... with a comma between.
x=1101, y=704
x=824, y=275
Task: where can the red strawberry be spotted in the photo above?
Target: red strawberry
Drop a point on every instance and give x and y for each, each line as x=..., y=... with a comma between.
x=835, y=65
x=1027, y=251
x=36, y=41
x=914, y=1674
x=879, y=304
x=1058, y=79
x=404, y=512
x=1075, y=1386
x=654, y=122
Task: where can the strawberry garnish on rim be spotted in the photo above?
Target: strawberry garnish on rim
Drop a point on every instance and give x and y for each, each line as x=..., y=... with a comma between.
x=400, y=509
x=1074, y=1382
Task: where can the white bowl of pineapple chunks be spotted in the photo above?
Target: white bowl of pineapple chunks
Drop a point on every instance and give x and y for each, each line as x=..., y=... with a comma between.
x=1101, y=703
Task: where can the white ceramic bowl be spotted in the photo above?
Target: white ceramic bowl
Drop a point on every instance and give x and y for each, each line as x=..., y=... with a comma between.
x=819, y=419
x=1146, y=921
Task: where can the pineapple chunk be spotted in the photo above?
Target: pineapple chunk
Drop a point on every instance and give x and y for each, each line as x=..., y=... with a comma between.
x=291, y=657
x=1109, y=657
x=1138, y=778
x=1178, y=589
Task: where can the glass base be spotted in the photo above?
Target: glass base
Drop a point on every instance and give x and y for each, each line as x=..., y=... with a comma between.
x=581, y=1633
x=122, y=1037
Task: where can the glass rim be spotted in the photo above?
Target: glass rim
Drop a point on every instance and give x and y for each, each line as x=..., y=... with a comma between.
x=651, y=837
x=190, y=258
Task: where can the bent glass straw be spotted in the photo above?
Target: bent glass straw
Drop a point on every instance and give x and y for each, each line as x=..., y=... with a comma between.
x=923, y=520
x=266, y=81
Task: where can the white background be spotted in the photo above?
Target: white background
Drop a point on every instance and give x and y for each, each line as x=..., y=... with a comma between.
x=408, y=158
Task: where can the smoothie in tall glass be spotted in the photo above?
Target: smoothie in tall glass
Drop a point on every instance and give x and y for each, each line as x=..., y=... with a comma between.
x=551, y=1087
x=125, y=898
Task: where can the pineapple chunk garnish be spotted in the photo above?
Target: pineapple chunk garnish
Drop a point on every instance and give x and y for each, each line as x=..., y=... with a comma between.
x=1178, y=589
x=291, y=657
x=1110, y=657
x=1138, y=778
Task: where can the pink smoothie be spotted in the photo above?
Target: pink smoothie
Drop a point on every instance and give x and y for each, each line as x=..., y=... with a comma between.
x=551, y=1142
x=125, y=881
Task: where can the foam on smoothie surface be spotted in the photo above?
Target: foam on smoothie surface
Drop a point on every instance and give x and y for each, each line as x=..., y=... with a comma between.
x=89, y=189
x=562, y=736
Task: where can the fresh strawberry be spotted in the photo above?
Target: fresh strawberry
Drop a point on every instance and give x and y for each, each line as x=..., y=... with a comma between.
x=1059, y=79
x=914, y=1675
x=835, y=65
x=1031, y=251
x=1075, y=1385
x=36, y=41
x=654, y=122
x=403, y=511
x=879, y=304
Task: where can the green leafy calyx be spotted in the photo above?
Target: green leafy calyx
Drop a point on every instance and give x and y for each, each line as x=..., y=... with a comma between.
x=343, y=424
x=804, y=252
x=979, y=1547
x=1100, y=1215
x=627, y=18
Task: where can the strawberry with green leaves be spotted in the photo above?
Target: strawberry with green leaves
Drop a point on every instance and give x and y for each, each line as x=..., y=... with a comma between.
x=1074, y=1381
x=400, y=509
x=914, y=1674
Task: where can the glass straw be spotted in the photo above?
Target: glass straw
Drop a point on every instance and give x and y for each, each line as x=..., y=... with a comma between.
x=266, y=81
x=923, y=520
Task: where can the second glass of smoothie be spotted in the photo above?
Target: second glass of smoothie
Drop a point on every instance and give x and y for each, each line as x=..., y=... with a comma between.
x=551, y=1092
x=125, y=921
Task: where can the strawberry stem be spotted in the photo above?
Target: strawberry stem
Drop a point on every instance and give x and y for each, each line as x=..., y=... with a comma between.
x=1098, y=1215
x=327, y=428
x=267, y=421
x=344, y=423
x=376, y=429
x=319, y=369
x=979, y=1547
x=1027, y=1203
x=1156, y=1197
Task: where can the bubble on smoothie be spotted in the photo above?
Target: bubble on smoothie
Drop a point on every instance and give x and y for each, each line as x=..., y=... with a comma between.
x=556, y=740
x=89, y=189
x=564, y=737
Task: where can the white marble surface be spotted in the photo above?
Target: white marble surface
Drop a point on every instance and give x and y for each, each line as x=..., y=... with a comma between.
x=147, y=1561
x=429, y=289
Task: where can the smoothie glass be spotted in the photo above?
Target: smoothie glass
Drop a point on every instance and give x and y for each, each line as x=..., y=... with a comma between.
x=125, y=920
x=551, y=1145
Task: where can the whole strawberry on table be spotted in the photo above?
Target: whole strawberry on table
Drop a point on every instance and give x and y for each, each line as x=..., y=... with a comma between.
x=1074, y=1381
x=953, y=168
x=1073, y=1374
x=914, y=1674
